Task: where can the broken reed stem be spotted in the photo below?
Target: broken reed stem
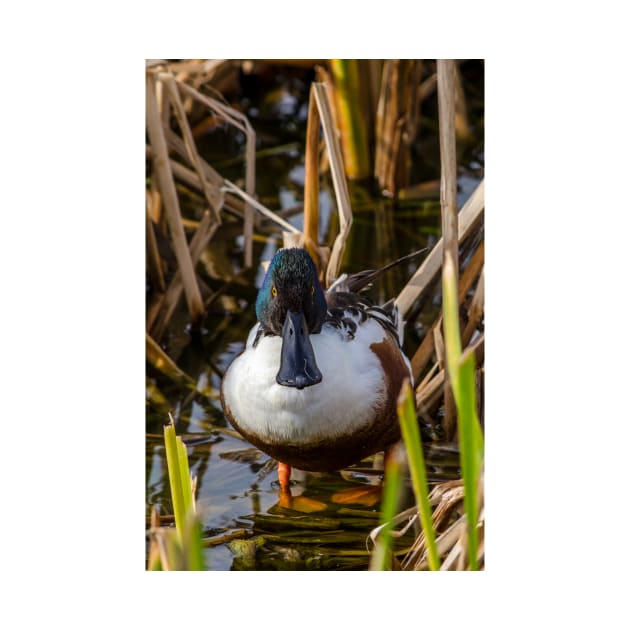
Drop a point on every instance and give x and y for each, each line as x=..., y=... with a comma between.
x=203, y=234
x=154, y=262
x=161, y=361
x=462, y=126
x=425, y=351
x=339, y=182
x=396, y=123
x=475, y=311
x=448, y=160
x=228, y=186
x=167, y=185
x=448, y=204
x=422, y=279
x=189, y=141
x=241, y=122
x=311, y=180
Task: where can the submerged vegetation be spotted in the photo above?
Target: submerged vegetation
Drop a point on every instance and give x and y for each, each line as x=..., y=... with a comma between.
x=360, y=162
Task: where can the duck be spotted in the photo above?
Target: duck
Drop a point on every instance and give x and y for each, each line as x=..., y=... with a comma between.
x=317, y=383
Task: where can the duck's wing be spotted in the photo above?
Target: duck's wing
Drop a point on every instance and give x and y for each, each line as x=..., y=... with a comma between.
x=347, y=308
x=361, y=281
x=347, y=311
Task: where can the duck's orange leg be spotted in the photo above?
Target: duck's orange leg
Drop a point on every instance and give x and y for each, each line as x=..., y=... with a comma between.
x=284, y=477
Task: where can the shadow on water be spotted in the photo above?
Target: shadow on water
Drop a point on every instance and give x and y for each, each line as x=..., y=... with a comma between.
x=246, y=523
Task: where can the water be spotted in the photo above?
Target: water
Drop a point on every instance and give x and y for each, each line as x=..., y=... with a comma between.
x=237, y=495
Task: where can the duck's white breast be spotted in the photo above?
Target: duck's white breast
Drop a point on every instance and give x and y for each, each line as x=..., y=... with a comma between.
x=352, y=386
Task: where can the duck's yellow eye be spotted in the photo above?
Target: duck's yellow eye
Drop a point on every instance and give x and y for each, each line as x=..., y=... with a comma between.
x=274, y=292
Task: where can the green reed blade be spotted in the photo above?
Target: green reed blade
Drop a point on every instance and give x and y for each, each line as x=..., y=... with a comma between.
x=192, y=543
x=350, y=112
x=174, y=475
x=413, y=443
x=381, y=559
x=462, y=375
x=184, y=473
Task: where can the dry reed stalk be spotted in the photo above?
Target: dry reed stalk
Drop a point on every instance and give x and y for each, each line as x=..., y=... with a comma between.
x=154, y=308
x=232, y=204
x=351, y=110
x=449, y=421
x=161, y=361
x=229, y=203
x=421, y=280
x=298, y=63
x=475, y=311
x=448, y=202
x=207, y=227
x=177, y=145
x=444, y=499
x=153, y=63
x=471, y=272
x=386, y=119
x=311, y=181
x=438, y=342
x=189, y=142
x=171, y=203
x=429, y=395
x=427, y=87
x=425, y=351
x=448, y=159
x=154, y=262
x=396, y=122
x=323, y=76
x=339, y=182
x=428, y=376
x=241, y=122
x=373, y=71
x=411, y=117
x=155, y=203
x=230, y=187
x=462, y=126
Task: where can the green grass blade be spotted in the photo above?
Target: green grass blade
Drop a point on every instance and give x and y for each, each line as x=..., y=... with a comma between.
x=471, y=451
x=174, y=475
x=413, y=443
x=381, y=559
x=452, y=339
x=462, y=376
x=184, y=546
x=184, y=473
x=192, y=543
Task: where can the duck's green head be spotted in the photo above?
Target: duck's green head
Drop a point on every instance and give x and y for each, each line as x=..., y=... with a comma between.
x=291, y=303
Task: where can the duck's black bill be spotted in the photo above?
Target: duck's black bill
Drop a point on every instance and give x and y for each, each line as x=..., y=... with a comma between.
x=298, y=367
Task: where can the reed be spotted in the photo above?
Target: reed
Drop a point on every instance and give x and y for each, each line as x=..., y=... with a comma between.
x=311, y=181
x=396, y=123
x=339, y=182
x=351, y=116
x=381, y=558
x=451, y=517
x=462, y=372
x=240, y=121
x=165, y=178
x=413, y=443
x=180, y=548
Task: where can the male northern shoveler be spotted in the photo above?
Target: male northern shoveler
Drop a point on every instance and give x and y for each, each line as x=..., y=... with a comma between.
x=317, y=384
